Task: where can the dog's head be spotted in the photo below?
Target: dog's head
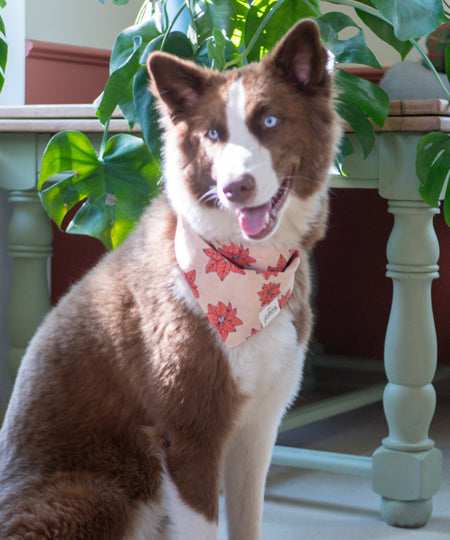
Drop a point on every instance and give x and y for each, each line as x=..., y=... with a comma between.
x=247, y=151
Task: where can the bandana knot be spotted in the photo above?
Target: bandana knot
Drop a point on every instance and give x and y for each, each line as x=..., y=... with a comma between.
x=240, y=289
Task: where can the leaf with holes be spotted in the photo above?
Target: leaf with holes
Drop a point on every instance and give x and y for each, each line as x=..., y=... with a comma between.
x=358, y=121
x=363, y=94
x=433, y=169
x=351, y=50
x=385, y=31
x=411, y=19
x=113, y=190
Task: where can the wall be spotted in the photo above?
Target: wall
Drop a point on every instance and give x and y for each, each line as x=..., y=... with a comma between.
x=87, y=23
x=93, y=24
x=64, y=73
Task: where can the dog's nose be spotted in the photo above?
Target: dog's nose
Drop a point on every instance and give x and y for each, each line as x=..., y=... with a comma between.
x=241, y=189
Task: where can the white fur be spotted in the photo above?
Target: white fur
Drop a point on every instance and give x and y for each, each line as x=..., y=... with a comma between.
x=268, y=367
x=169, y=519
x=243, y=153
x=146, y=522
x=184, y=522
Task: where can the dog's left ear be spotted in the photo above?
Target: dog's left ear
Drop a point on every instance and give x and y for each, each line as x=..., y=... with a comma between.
x=301, y=57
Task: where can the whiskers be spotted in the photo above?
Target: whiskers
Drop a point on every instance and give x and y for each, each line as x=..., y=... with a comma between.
x=211, y=196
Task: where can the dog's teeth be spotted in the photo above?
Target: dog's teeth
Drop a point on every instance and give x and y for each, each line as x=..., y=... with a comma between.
x=267, y=218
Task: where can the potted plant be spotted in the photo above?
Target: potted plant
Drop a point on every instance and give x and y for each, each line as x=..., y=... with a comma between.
x=110, y=187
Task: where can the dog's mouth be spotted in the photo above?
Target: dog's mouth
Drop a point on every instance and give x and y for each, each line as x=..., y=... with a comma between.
x=259, y=221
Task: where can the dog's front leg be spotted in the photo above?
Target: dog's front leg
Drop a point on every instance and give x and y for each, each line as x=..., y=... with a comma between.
x=246, y=466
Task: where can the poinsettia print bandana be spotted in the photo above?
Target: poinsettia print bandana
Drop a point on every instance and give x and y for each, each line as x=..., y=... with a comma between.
x=240, y=289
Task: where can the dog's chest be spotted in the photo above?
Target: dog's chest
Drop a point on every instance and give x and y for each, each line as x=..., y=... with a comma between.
x=267, y=365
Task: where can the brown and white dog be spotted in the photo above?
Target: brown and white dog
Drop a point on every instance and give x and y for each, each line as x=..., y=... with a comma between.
x=129, y=405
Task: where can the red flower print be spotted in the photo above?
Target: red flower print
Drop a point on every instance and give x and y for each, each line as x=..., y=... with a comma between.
x=273, y=270
x=252, y=333
x=237, y=255
x=282, y=301
x=190, y=278
x=268, y=292
x=223, y=318
x=228, y=259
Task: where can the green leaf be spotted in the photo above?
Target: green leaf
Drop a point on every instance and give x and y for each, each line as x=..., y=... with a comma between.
x=3, y=51
x=351, y=50
x=241, y=8
x=175, y=43
x=385, y=32
x=113, y=190
x=345, y=149
x=124, y=65
x=147, y=114
x=216, y=50
x=363, y=94
x=412, y=19
x=117, y=89
x=283, y=15
x=433, y=168
x=206, y=15
x=203, y=57
x=358, y=121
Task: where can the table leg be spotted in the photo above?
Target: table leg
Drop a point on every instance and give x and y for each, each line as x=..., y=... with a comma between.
x=30, y=245
x=407, y=468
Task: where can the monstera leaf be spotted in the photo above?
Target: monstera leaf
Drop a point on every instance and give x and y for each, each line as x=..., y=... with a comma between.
x=113, y=189
x=433, y=169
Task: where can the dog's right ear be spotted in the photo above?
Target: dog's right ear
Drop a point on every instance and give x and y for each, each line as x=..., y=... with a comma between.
x=178, y=83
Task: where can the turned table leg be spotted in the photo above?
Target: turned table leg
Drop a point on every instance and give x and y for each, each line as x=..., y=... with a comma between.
x=407, y=468
x=30, y=238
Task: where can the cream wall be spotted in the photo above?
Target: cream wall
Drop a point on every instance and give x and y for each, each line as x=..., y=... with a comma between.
x=87, y=23
x=90, y=23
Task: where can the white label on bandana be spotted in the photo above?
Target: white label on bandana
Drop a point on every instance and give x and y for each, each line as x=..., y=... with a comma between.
x=269, y=312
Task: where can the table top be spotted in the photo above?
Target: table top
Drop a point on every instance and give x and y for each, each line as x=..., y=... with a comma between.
x=413, y=115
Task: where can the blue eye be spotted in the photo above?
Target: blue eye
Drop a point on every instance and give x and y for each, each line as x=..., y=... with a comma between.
x=213, y=134
x=270, y=121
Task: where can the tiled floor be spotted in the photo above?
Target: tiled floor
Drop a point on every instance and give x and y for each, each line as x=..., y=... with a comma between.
x=307, y=504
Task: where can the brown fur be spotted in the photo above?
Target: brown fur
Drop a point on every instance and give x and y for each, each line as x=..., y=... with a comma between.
x=88, y=426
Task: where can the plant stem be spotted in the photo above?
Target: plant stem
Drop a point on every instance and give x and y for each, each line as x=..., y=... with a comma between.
x=255, y=37
x=430, y=66
x=104, y=139
x=313, y=7
x=141, y=12
x=357, y=5
x=169, y=29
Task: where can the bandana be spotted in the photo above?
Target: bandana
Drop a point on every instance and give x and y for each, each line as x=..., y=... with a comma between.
x=240, y=289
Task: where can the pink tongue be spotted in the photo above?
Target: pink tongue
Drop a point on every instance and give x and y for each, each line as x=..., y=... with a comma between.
x=253, y=220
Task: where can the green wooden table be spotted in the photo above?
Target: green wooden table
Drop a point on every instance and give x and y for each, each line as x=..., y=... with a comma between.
x=406, y=469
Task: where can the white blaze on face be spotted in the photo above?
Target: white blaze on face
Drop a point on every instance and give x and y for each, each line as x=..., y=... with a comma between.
x=243, y=153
